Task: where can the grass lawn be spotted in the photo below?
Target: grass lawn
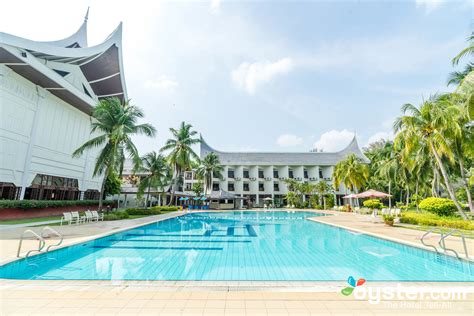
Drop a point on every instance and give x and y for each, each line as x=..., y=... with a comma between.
x=467, y=233
x=29, y=220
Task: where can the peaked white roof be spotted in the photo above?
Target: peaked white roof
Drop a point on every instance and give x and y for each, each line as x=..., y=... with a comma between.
x=101, y=65
x=285, y=158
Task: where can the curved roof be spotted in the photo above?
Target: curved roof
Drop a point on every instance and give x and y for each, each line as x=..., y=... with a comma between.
x=285, y=158
x=101, y=65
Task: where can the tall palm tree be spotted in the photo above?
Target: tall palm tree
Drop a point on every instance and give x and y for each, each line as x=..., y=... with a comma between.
x=352, y=172
x=156, y=173
x=116, y=123
x=434, y=124
x=209, y=168
x=456, y=77
x=181, y=152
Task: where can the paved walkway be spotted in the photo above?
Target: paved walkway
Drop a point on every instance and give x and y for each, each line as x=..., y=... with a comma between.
x=5, y=227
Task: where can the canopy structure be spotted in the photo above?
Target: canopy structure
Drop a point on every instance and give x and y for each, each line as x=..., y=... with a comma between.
x=68, y=68
x=372, y=194
x=223, y=195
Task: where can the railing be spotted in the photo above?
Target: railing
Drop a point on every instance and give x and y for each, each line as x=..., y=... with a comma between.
x=443, y=245
x=426, y=234
x=47, y=228
x=40, y=245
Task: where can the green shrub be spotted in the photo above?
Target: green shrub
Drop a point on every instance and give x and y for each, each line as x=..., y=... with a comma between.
x=373, y=204
x=306, y=204
x=430, y=219
x=28, y=204
x=165, y=208
x=439, y=206
x=142, y=211
x=330, y=202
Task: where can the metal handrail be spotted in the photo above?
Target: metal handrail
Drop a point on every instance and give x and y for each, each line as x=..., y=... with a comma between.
x=443, y=245
x=429, y=232
x=47, y=228
x=40, y=245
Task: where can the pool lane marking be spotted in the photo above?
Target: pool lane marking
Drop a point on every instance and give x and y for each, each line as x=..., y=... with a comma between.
x=179, y=240
x=162, y=248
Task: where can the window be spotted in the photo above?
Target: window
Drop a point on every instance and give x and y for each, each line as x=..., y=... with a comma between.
x=260, y=174
x=275, y=173
x=230, y=186
x=230, y=173
x=246, y=187
x=305, y=173
x=290, y=173
x=246, y=174
x=320, y=173
x=261, y=186
x=188, y=187
x=215, y=186
x=188, y=175
x=276, y=186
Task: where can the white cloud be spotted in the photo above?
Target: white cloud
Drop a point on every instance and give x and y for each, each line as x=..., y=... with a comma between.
x=163, y=84
x=379, y=136
x=429, y=5
x=288, y=140
x=249, y=76
x=334, y=140
x=215, y=6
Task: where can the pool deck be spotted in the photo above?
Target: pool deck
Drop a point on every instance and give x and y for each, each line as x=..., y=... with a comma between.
x=49, y=297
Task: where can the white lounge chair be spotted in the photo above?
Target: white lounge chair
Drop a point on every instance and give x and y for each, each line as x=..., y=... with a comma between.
x=79, y=219
x=97, y=216
x=89, y=216
x=67, y=217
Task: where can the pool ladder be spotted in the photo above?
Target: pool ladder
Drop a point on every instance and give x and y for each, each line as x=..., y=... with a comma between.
x=40, y=238
x=442, y=243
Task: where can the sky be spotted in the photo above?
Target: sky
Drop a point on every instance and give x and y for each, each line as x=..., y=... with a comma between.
x=267, y=75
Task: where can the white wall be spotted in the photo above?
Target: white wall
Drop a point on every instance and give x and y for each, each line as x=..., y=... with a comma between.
x=39, y=132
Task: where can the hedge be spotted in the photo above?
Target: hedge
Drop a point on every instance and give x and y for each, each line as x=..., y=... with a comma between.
x=439, y=206
x=373, y=204
x=165, y=208
x=142, y=211
x=28, y=204
x=116, y=216
x=430, y=219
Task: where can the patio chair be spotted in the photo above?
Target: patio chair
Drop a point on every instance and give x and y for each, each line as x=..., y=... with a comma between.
x=89, y=217
x=79, y=219
x=67, y=217
x=97, y=216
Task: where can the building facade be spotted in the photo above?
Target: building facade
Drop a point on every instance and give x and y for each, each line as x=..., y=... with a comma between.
x=47, y=94
x=259, y=175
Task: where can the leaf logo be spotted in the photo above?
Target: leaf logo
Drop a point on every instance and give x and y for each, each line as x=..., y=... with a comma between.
x=353, y=284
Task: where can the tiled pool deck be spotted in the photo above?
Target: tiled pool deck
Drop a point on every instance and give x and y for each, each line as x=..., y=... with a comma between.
x=24, y=297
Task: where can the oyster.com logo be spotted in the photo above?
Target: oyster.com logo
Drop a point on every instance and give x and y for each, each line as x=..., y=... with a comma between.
x=353, y=284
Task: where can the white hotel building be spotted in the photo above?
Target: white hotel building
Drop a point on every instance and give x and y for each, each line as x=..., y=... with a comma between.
x=258, y=175
x=47, y=93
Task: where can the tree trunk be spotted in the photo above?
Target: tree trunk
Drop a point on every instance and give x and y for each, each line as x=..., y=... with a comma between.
x=173, y=186
x=466, y=185
x=416, y=194
x=147, y=197
x=102, y=188
x=408, y=194
x=433, y=183
x=390, y=193
x=446, y=181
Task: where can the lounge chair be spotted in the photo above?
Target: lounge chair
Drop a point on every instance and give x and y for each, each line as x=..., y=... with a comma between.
x=97, y=216
x=89, y=216
x=79, y=219
x=67, y=217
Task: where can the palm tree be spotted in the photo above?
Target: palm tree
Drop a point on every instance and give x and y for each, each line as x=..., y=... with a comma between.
x=433, y=124
x=209, y=168
x=156, y=173
x=181, y=154
x=468, y=51
x=456, y=77
x=115, y=123
x=322, y=188
x=352, y=172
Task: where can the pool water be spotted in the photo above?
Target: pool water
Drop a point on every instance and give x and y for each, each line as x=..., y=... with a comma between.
x=238, y=245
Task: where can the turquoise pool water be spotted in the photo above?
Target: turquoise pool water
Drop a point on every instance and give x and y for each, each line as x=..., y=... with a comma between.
x=240, y=246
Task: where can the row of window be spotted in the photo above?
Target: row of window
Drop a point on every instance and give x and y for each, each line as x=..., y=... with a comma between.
x=261, y=175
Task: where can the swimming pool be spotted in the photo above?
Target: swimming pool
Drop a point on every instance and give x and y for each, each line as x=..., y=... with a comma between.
x=243, y=245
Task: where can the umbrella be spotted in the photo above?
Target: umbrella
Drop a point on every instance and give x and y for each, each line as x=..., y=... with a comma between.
x=350, y=196
x=186, y=198
x=203, y=198
x=268, y=199
x=372, y=194
x=181, y=198
x=196, y=198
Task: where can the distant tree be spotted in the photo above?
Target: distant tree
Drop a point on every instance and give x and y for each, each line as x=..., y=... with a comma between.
x=209, y=168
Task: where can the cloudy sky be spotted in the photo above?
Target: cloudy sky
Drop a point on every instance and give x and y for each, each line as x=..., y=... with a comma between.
x=268, y=75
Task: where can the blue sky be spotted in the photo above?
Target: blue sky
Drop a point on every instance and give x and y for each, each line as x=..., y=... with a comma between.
x=273, y=75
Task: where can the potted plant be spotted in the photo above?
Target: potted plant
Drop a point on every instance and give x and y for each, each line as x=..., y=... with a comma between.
x=388, y=220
